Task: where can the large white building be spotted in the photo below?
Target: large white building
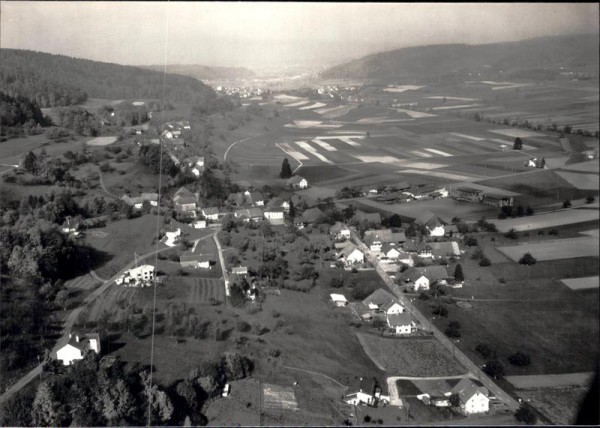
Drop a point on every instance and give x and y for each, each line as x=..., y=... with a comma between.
x=137, y=276
x=473, y=398
x=77, y=346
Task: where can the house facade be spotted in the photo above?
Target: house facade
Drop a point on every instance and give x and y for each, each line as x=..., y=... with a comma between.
x=351, y=255
x=401, y=324
x=77, y=346
x=473, y=398
x=137, y=276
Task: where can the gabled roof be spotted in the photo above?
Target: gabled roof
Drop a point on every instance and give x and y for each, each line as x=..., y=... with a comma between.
x=296, y=179
x=338, y=227
x=416, y=247
x=183, y=191
x=432, y=273
x=257, y=196
x=250, y=212
x=429, y=219
x=466, y=388
x=388, y=246
x=338, y=297
x=379, y=297
x=184, y=200
x=149, y=196
x=210, y=211
x=386, y=306
x=277, y=202
x=311, y=215
x=200, y=258
x=346, y=251
x=132, y=201
x=84, y=340
x=397, y=320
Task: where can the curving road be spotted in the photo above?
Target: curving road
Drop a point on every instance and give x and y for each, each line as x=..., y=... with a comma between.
x=494, y=389
x=68, y=323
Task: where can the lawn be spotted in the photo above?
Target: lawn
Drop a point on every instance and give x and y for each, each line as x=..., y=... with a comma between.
x=411, y=356
x=241, y=407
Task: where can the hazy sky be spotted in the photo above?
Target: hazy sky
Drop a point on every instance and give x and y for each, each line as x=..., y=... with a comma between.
x=253, y=34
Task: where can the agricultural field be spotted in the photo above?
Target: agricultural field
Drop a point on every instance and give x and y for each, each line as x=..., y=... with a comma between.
x=101, y=141
x=582, y=283
x=559, y=405
x=554, y=249
x=410, y=356
x=241, y=407
x=546, y=220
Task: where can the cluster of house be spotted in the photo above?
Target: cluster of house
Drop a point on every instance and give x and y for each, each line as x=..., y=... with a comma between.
x=492, y=199
x=367, y=393
x=473, y=398
x=404, y=192
x=250, y=288
x=172, y=132
x=137, y=202
x=534, y=162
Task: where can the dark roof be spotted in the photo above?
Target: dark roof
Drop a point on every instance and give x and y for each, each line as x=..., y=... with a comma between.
x=416, y=247
x=466, y=388
x=183, y=191
x=469, y=190
x=250, y=213
x=404, y=318
x=210, y=210
x=432, y=273
x=296, y=179
x=184, y=200
x=379, y=297
x=191, y=257
x=428, y=219
x=346, y=251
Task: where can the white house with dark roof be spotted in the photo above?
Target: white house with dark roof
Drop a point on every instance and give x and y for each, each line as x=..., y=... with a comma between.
x=249, y=214
x=339, y=300
x=367, y=393
x=77, y=346
x=211, y=213
x=297, y=182
x=422, y=278
x=351, y=255
x=185, y=201
x=382, y=300
x=197, y=261
x=473, y=398
x=434, y=226
x=401, y=323
x=340, y=231
x=274, y=215
x=138, y=276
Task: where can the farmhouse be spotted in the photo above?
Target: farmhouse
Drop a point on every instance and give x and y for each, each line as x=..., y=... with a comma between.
x=434, y=226
x=151, y=198
x=211, y=213
x=297, y=182
x=376, y=238
x=239, y=270
x=451, y=230
x=279, y=203
x=381, y=300
x=497, y=200
x=256, y=199
x=422, y=278
x=390, y=252
x=468, y=194
x=421, y=249
x=172, y=234
x=351, y=255
x=136, y=202
x=340, y=231
x=185, y=201
x=196, y=164
x=199, y=224
x=473, y=398
x=338, y=300
x=444, y=249
x=197, y=261
x=401, y=323
x=136, y=276
x=249, y=214
x=368, y=393
x=77, y=346
x=274, y=215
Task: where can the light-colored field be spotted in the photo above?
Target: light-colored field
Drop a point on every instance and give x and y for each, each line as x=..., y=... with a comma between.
x=410, y=356
x=559, y=405
x=582, y=283
x=581, y=181
x=540, y=221
x=381, y=159
x=521, y=133
x=313, y=106
x=554, y=249
x=101, y=141
x=292, y=152
x=551, y=380
x=233, y=410
x=424, y=165
x=403, y=88
x=138, y=103
x=324, y=145
x=276, y=397
x=447, y=175
x=439, y=152
x=469, y=137
x=455, y=107
x=594, y=233
x=286, y=98
x=415, y=114
x=441, y=97
x=298, y=103
x=310, y=149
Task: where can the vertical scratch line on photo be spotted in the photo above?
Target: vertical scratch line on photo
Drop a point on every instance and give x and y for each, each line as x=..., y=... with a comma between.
x=158, y=217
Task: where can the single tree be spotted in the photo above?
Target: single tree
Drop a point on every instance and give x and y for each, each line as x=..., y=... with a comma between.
x=286, y=169
x=527, y=259
x=494, y=369
x=395, y=221
x=45, y=410
x=589, y=199
x=454, y=400
x=566, y=204
x=518, y=145
x=458, y=273
x=292, y=210
x=30, y=162
x=519, y=359
x=525, y=414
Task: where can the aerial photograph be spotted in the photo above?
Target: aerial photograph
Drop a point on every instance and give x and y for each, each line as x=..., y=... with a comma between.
x=299, y=214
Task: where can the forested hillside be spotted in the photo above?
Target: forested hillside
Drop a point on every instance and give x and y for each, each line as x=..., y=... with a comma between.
x=204, y=72
x=427, y=62
x=61, y=80
x=18, y=111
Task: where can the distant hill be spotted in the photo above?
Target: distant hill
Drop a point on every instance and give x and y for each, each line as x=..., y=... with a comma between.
x=30, y=74
x=204, y=72
x=427, y=62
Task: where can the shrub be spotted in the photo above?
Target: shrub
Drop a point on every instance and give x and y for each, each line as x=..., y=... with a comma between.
x=494, y=369
x=553, y=232
x=336, y=282
x=519, y=359
x=470, y=241
x=525, y=414
x=485, y=350
x=589, y=199
x=440, y=310
x=527, y=259
x=485, y=262
x=511, y=234
x=453, y=333
x=566, y=204
x=243, y=326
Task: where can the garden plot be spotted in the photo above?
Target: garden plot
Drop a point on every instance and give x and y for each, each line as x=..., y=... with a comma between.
x=555, y=249
x=324, y=145
x=292, y=152
x=403, y=88
x=205, y=290
x=582, y=283
x=415, y=114
x=348, y=139
x=138, y=103
x=310, y=149
x=101, y=141
x=439, y=152
x=581, y=181
x=559, y=405
x=514, y=133
x=277, y=397
x=298, y=104
x=305, y=124
x=313, y=106
x=380, y=120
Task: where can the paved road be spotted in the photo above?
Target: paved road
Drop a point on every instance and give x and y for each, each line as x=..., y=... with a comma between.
x=222, y=261
x=104, y=187
x=444, y=340
x=68, y=323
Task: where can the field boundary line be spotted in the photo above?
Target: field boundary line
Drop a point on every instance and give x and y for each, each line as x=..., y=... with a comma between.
x=315, y=373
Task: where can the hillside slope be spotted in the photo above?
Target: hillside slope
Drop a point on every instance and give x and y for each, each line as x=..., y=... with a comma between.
x=426, y=62
x=100, y=79
x=203, y=72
